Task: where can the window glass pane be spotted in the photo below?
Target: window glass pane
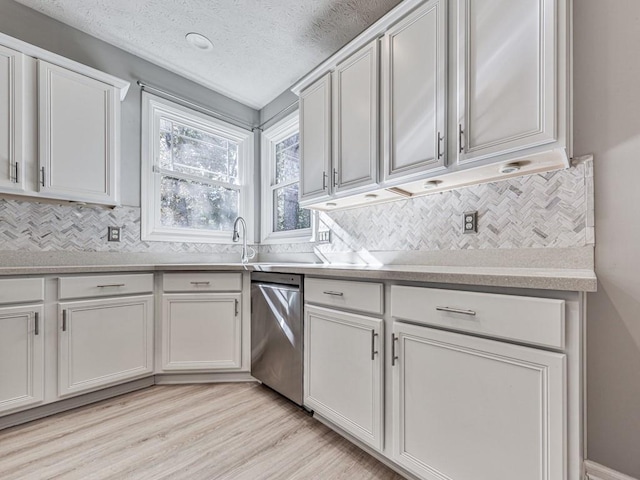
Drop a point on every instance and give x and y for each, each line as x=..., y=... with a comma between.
x=187, y=204
x=287, y=213
x=195, y=152
x=288, y=159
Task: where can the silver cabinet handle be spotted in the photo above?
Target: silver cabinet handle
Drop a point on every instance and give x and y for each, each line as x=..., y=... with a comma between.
x=200, y=283
x=335, y=294
x=111, y=285
x=335, y=177
x=236, y=306
x=17, y=178
x=394, y=357
x=64, y=320
x=374, y=352
x=460, y=138
x=440, y=143
x=36, y=318
x=456, y=310
x=42, y=173
x=324, y=180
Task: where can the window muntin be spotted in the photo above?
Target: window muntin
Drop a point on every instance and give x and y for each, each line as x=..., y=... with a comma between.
x=196, y=174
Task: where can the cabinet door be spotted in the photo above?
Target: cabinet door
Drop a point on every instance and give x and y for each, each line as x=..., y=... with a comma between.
x=11, y=124
x=315, y=140
x=104, y=342
x=343, y=371
x=414, y=92
x=506, y=76
x=21, y=357
x=467, y=408
x=355, y=120
x=201, y=332
x=77, y=118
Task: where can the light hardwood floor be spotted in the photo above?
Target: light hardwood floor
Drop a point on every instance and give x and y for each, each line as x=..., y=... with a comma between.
x=197, y=432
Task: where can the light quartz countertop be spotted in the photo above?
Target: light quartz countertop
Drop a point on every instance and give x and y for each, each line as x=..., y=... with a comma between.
x=580, y=280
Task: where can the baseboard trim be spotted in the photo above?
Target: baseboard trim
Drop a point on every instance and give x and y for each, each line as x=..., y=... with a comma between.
x=185, y=378
x=595, y=471
x=60, y=406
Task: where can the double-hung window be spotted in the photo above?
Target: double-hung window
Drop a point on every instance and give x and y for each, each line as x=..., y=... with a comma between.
x=196, y=174
x=282, y=218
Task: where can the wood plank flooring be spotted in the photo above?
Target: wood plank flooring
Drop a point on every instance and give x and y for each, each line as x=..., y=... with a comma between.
x=197, y=432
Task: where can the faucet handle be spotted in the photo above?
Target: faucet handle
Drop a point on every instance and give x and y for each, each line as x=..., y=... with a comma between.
x=251, y=252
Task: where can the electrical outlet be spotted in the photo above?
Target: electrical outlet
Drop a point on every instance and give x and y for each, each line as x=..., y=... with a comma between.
x=470, y=222
x=113, y=234
x=324, y=236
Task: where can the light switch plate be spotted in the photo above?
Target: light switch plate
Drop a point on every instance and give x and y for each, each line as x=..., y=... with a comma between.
x=113, y=234
x=470, y=222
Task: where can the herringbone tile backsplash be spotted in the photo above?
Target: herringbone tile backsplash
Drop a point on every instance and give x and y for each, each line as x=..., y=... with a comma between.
x=539, y=211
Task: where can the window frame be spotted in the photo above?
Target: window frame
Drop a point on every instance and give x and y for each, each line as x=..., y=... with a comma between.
x=270, y=138
x=155, y=107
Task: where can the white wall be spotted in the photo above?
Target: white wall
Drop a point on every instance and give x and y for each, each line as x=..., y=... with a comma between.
x=607, y=124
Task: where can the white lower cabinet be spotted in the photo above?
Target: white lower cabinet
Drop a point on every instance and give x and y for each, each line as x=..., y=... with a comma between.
x=201, y=331
x=104, y=342
x=467, y=408
x=21, y=357
x=343, y=371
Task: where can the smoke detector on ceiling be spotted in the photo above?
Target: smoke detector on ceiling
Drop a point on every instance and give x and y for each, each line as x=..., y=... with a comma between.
x=199, y=42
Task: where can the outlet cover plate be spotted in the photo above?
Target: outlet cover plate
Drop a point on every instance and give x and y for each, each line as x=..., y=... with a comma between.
x=113, y=234
x=324, y=236
x=470, y=222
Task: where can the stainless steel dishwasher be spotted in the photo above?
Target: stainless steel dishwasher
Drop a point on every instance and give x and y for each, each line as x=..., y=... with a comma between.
x=277, y=333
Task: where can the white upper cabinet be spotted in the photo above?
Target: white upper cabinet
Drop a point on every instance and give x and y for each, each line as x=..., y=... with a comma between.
x=315, y=140
x=59, y=126
x=11, y=125
x=507, y=71
x=78, y=120
x=467, y=86
x=355, y=120
x=414, y=92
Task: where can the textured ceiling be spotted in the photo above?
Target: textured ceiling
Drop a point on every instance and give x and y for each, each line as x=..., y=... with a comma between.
x=261, y=47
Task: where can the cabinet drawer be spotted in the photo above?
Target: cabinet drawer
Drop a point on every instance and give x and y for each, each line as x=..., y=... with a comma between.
x=15, y=290
x=533, y=320
x=104, y=285
x=202, y=282
x=361, y=296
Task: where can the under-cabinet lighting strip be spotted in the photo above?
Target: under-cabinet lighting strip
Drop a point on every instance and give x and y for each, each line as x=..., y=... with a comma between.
x=235, y=121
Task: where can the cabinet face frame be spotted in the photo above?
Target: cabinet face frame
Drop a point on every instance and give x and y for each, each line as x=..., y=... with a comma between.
x=437, y=158
x=47, y=163
x=232, y=363
x=374, y=436
x=321, y=88
x=552, y=370
x=34, y=340
x=66, y=384
x=12, y=173
x=370, y=53
x=546, y=131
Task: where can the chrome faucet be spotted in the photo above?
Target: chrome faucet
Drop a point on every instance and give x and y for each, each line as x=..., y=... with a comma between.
x=247, y=252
